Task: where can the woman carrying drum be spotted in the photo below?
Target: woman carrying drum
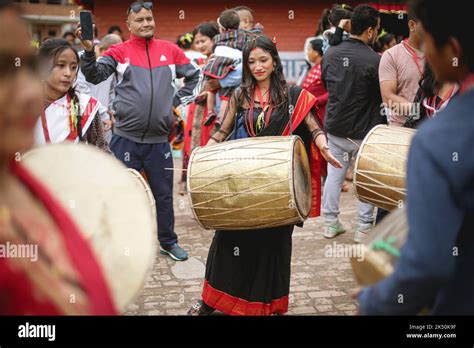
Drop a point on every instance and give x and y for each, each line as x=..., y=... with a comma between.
x=248, y=272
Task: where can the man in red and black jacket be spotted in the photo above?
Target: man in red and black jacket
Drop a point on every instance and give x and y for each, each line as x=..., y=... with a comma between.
x=145, y=68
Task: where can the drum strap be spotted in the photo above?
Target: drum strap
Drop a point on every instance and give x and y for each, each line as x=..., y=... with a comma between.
x=233, y=133
x=411, y=51
x=291, y=121
x=291, y=110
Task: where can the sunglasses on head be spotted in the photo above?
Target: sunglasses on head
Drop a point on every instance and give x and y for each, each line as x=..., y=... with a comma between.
x=137, y=6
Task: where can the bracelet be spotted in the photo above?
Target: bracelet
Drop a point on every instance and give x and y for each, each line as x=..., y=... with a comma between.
x=316, y=134
x=217, y=141
x=316, y=131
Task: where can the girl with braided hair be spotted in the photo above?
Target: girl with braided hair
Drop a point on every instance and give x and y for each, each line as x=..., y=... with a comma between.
x=67, y=115
x=62, y=262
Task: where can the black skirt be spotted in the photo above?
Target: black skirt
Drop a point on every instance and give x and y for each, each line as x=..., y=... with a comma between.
x=248, y=272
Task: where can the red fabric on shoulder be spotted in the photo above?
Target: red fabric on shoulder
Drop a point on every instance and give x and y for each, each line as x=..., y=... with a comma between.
x=305, y=102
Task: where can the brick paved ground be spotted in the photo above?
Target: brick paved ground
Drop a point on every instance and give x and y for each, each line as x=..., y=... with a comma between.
x=320, y=285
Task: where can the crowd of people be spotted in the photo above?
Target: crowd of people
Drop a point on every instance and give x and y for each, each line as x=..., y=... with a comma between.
x=225, y=79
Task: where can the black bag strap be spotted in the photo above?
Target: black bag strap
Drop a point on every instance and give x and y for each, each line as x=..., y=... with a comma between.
x=291, y=110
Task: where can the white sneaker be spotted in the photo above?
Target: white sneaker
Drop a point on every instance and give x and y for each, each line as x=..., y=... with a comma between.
x=333, y=228
x=362, y=231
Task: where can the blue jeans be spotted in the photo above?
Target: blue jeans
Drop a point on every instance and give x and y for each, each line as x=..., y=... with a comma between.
x=153, y=158
x=343, y=150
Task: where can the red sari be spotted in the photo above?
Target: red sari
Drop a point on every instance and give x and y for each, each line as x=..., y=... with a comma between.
x=306, y=102
x=314, y=85
x=65, y=278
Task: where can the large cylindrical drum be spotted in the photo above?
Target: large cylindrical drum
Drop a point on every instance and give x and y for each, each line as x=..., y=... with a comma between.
x=110, y=205
x=251, y=183
x=380, y=168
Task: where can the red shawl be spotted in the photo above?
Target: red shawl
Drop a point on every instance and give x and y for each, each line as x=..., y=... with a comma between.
x=305, y=102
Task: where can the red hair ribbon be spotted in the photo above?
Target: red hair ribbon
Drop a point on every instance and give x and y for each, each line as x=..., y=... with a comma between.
x=275, y=41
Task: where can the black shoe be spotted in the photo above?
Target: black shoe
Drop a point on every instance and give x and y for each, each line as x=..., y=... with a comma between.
x=200, y=309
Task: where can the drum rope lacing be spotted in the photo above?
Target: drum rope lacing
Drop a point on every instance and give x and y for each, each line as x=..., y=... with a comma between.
x=267, y=220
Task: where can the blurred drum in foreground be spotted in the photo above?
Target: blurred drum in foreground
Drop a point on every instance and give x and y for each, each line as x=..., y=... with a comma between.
x=381, y=249
x=110, y=206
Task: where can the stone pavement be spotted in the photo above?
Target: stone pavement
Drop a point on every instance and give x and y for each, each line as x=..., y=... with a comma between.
x=320, y=284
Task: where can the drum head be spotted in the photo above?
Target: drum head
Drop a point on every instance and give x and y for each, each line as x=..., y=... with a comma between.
x=380, y=167
x=302, y=179
x=110, y=207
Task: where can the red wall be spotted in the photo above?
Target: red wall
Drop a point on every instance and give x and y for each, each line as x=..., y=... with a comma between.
x=274, y=16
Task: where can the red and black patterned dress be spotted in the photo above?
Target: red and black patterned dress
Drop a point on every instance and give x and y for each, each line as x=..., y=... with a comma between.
x=248, y=272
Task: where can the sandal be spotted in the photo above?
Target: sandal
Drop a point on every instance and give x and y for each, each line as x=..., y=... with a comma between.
x=200, y=309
